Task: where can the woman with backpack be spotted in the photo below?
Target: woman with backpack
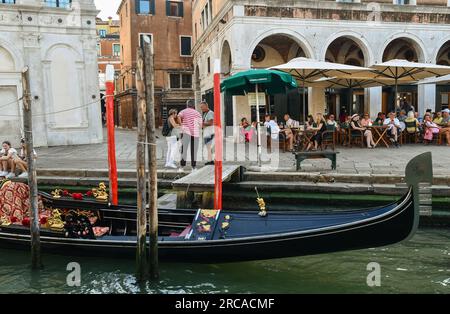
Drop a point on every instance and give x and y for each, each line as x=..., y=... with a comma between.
x=172, y=131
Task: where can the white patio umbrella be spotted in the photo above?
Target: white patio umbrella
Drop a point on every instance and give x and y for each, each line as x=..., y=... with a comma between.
x=407, y=71
x=351, y=83
x=443, y=80
x=307, y=71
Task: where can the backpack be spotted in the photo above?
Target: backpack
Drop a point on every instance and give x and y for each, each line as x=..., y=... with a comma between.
x=167, y=129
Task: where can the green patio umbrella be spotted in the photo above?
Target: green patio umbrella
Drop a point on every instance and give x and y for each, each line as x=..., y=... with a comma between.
x=272, y=81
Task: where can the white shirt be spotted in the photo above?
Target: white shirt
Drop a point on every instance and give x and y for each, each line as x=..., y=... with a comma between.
x=274, y=129
x=292, y=123
x=11, y=152
x=388, y=122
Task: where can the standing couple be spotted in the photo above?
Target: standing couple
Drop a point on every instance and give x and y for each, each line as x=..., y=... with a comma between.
x=186, y=127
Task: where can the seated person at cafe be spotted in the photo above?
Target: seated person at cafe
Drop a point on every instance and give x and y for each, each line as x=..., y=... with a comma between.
x=332, y=122
x=431, y=128
x=7, y=157
x=355, y=124
x=366, y=121
x=380, y=118
x=394, y=128
x=319, y=126
x=272, y=128
x=437, y=118
x=309, y=121
x=445, y=125
x=291, y=123
x=411, y=123
x=21, y=160
x=401, y=118
x=247, y=130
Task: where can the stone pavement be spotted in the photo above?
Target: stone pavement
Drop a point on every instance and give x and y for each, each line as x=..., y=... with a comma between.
x=350, y=160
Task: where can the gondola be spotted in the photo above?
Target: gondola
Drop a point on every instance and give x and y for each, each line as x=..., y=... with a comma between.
x=209, y=236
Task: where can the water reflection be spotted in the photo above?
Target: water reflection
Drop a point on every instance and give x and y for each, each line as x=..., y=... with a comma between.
x=418, y=266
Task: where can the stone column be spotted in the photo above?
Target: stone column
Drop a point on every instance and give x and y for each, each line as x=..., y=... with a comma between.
x=375, y=100
x=426, y=98
x=32, y=58
x=316, y=100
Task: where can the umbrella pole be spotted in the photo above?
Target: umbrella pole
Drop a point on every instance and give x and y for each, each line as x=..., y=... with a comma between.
x=396, y=94
x=304, y=101
x=258, y=127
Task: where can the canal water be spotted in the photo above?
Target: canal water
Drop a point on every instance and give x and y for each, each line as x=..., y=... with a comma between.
x=421, y=265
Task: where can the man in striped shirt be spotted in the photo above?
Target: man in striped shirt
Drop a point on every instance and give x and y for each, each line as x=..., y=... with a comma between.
x=191, y=122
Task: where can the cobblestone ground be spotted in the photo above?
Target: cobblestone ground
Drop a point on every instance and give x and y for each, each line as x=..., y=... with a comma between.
x=350, y=160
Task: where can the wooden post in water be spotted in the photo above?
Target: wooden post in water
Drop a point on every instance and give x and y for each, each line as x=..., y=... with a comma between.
x=153, y=176
x=36, y=262
x=141, y=254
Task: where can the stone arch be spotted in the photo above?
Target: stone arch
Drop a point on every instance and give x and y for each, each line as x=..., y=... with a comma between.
x=415, y=42
x=299, y=39
x=226, y=58
x=54, y=47
x=442, y=54
x=357, y=38
x=12, y=54
x=63, y=61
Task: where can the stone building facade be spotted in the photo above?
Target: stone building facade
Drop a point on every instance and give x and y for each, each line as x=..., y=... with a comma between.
x=108, y=47
x=57, y=41
x=169, y=25
x=258, y=34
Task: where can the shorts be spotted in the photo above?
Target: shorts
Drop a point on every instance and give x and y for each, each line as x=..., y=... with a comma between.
x=208, y=140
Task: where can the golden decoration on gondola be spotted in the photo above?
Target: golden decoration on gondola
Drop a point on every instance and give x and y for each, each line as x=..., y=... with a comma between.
x=5, y=221
x=262, y=207
x=207, y=213
x=57, y=193
x=100, y=193
x=55, y=221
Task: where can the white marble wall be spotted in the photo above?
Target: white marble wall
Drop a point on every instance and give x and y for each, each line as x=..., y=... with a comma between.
x=314, y=36
x=59, y=47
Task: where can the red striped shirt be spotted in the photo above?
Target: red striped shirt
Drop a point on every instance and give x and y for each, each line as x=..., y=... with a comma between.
x=191, y=122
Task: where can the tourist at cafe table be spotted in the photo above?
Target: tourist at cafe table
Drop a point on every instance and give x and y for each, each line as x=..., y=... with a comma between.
x=394, y=128
x=319, y=126
x=247, y=130
x=7, y=157
x=412, y=124
x=355, y=124
x=366, y=121
x=286, y=130
x=191, y=121
x=437, y=118
x=272, y=128
x=331, y=121
x=291, y=123
x=381, y=117
x=208, y=130
x=445, y=125
x=431, y=128
x=309, y=121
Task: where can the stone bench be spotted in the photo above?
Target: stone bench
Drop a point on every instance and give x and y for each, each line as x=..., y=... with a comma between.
x=301, y=156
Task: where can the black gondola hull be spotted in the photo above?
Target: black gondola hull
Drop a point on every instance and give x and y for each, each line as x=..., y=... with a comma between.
x=392, y=225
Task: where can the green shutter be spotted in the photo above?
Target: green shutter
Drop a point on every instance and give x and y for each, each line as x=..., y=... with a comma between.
x=168, y=8
x=181, y=9
x=152, y=7
x=137, y=5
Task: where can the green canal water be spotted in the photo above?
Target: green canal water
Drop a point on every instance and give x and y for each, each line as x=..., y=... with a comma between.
x=421, y=265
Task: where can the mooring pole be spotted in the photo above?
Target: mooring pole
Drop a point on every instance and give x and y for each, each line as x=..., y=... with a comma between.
x=153, y=176
x=36, y=262
x=141, y=253
x=219, y=138
x=113, y=185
